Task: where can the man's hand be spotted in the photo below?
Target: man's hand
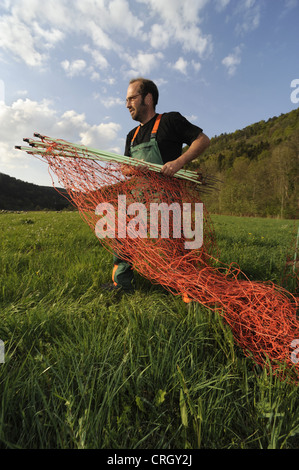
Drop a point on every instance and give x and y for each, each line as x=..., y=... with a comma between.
x=170, y=168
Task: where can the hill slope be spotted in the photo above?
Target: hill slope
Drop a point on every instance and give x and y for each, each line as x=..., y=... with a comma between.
x=258, y=169
x=18, y=195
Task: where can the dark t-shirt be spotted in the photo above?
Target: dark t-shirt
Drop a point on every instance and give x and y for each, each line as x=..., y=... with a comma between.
x=174, y=131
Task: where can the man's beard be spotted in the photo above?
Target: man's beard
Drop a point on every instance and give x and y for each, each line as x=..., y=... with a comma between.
x=137, y=115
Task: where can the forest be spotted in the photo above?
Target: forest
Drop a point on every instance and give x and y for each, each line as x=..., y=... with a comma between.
x=256, y=169
x=17, y=195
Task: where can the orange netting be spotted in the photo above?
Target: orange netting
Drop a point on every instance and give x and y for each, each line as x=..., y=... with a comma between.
x=262, y=316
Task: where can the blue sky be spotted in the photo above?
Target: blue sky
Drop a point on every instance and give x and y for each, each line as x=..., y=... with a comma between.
x=65, y=67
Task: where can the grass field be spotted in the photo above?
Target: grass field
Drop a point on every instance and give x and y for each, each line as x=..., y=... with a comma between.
x=84, y=369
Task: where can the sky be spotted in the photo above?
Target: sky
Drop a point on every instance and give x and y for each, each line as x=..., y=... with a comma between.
x=65, y=67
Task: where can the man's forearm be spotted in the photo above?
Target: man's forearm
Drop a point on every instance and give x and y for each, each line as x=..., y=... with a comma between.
x=197, y=147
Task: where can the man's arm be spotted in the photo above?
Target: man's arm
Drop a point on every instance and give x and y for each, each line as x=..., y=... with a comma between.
x=197, y=147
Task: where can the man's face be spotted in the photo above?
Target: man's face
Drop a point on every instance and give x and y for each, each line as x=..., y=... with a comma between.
x=135, y=102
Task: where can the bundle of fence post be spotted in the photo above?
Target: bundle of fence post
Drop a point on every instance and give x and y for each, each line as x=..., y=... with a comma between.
x=261, y=315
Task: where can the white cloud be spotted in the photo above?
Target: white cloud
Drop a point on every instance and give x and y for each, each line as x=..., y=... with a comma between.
x=178, y=22
x=24, y=117
x=57, y=13
x=94, y=76
x=160, y=82
x=250, y=13
x=21, y=92
x=21, y=119
x=159, y=37
x=71, y=123
x=142, y=63
x=109, y=80
x=99, y=60
x=30, y=33
x=17, y=39
x=49, y=37
x=181, y=65
x=29, y=30
x=192, y=118
x=73, y=68
x=196, y=65
x=114, y=15
x=112, y=101
x=233, y=60
x=100, y=38
x=123, y=19
x=104, y=133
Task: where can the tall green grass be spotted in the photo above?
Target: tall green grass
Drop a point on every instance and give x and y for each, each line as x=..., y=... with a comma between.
x=87, y=369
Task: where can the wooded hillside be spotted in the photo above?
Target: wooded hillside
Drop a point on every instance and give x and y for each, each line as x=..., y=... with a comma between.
x=257, y=168
x=20, y=196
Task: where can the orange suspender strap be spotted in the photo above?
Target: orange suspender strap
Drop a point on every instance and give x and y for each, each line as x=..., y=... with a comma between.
x=154, y=131
x=155, y=128
x=137, y=130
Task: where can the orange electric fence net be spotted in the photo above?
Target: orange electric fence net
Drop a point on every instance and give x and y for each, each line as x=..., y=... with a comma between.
x=262, y=316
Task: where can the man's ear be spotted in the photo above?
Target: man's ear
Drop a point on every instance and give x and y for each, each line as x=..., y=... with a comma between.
x=148, y=99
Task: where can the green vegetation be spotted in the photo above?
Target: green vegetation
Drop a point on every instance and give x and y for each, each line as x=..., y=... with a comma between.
x=257, y=168
x=86, y=369
x=16, y=195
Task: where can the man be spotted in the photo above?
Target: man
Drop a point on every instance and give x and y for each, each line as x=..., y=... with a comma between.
x=158, y=139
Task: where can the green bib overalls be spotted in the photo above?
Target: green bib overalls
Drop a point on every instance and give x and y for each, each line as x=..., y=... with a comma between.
x=123, y=275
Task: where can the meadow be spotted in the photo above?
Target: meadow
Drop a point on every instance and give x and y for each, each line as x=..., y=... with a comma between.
x=87, y=369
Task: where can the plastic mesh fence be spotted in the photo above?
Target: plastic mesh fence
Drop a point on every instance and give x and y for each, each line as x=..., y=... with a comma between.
x=262, y=316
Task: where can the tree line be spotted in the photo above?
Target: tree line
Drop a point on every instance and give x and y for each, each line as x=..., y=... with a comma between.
x=17, y=195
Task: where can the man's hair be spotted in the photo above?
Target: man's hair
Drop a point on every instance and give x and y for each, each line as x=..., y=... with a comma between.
x=147, y=86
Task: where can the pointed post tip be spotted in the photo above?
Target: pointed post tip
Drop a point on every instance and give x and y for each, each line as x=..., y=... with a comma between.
x=38, y=135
